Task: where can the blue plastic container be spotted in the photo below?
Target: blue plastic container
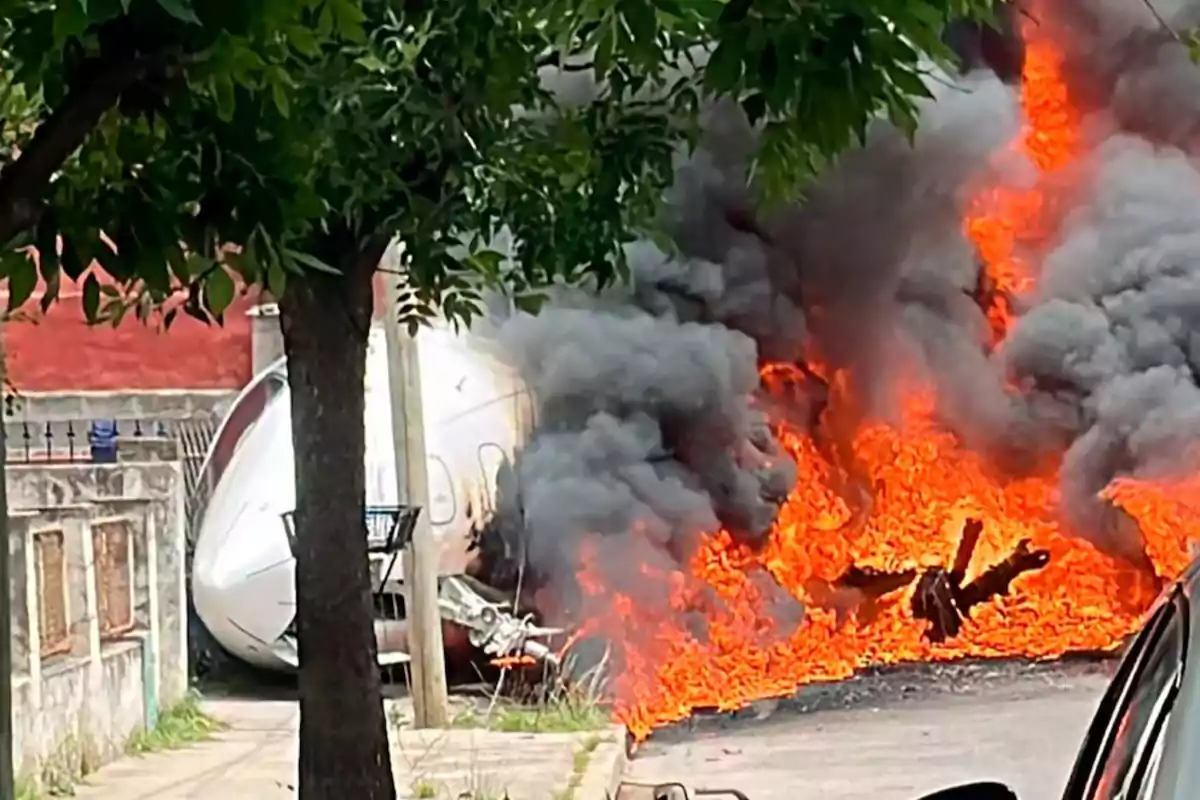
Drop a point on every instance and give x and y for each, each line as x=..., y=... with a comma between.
x=102, y=436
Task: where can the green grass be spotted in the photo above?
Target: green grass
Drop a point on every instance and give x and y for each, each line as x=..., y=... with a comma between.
x=427, y=790
x=560, y=715
x=583, y=757
x=178, y=726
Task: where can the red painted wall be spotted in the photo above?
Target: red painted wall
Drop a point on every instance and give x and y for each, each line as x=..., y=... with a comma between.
x=59, y=351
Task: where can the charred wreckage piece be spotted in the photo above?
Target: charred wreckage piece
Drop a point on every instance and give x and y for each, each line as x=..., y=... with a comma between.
x=490, y=626
x=942, y=598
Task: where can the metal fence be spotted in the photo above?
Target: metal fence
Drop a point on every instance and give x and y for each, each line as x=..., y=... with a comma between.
x=67, y=441
x=194, y=437
x=389, y=528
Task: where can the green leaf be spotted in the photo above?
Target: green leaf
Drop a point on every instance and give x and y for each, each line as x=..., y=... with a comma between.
x=735, y=12
x=303, y=40
x=70, y=21
x=312, y=262
x=46, y=242
x=180, y=10
x=178, y=263
x=909, y=82
x=197, y=264
x=50, y=291
x=218, y=291
x=371, y=63
x=22, y=278
x=606, y=49
x=755, y=107
x=276, y=280
x=72, y=261
x=223, y=91
x=348, y=19
x=282, y=104
x=724, y=69
x=486, y=263
x=91, y=298
x=1192, y=40
x=246, y=264
x=642, y=22
x=530, y=303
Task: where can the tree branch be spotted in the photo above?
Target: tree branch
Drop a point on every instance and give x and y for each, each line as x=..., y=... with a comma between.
x=23, y=180
x=1162, y=22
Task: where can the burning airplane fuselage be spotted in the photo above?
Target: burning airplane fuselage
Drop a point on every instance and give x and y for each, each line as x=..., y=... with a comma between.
x=243, y=571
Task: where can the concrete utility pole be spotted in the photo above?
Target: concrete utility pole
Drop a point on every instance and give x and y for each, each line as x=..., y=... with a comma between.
x=421, y=557
x=7, y=779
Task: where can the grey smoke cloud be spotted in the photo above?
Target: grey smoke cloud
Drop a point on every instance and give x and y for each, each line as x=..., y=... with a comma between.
x=648, y=433
x=1115, y=319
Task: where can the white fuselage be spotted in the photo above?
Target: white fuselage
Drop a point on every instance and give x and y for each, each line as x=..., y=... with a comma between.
x=242, y=570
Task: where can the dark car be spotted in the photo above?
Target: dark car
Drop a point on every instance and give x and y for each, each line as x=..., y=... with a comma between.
x=1144, y=741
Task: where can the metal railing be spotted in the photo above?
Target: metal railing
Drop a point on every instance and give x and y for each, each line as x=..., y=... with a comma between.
x=68, y=442
x=389, y=528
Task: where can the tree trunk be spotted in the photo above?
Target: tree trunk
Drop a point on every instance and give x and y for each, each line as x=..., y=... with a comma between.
x=343, y=733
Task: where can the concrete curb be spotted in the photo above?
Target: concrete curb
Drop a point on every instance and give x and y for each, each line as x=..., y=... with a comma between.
x=605, y=768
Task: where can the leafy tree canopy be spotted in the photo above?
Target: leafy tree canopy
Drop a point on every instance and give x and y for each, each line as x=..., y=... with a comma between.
x=269, y=124
x=87, y=85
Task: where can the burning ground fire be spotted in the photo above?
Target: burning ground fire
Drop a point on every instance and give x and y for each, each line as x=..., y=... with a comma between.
x=927, y=512
x=930, y=488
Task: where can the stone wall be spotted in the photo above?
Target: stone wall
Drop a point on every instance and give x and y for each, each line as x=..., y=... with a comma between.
x=99, y=599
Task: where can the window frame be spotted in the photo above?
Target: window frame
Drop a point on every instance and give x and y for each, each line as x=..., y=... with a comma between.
x=1101, y=738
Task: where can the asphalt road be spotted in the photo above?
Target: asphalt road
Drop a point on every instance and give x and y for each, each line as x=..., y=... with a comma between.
x=894, y=735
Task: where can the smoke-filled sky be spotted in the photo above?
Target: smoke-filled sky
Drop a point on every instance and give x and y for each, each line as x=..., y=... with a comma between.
x=649, y=430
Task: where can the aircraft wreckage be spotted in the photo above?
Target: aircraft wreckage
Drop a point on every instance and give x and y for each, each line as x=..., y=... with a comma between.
x=243, y=571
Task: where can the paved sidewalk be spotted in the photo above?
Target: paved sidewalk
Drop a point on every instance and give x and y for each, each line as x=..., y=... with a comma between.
x=255, y=759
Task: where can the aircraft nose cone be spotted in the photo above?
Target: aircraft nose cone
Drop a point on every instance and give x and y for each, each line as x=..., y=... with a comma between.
x=257, y=543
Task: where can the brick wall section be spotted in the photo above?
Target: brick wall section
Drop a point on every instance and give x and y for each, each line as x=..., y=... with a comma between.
x=58, y=351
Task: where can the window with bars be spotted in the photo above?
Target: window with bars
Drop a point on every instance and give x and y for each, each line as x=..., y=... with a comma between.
x=112, y=549
x=54, y=619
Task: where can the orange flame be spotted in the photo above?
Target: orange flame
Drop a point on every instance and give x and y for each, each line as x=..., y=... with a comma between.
x=1005, y=224
x=513, y=662
x=931, y=486
x=719, y=635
